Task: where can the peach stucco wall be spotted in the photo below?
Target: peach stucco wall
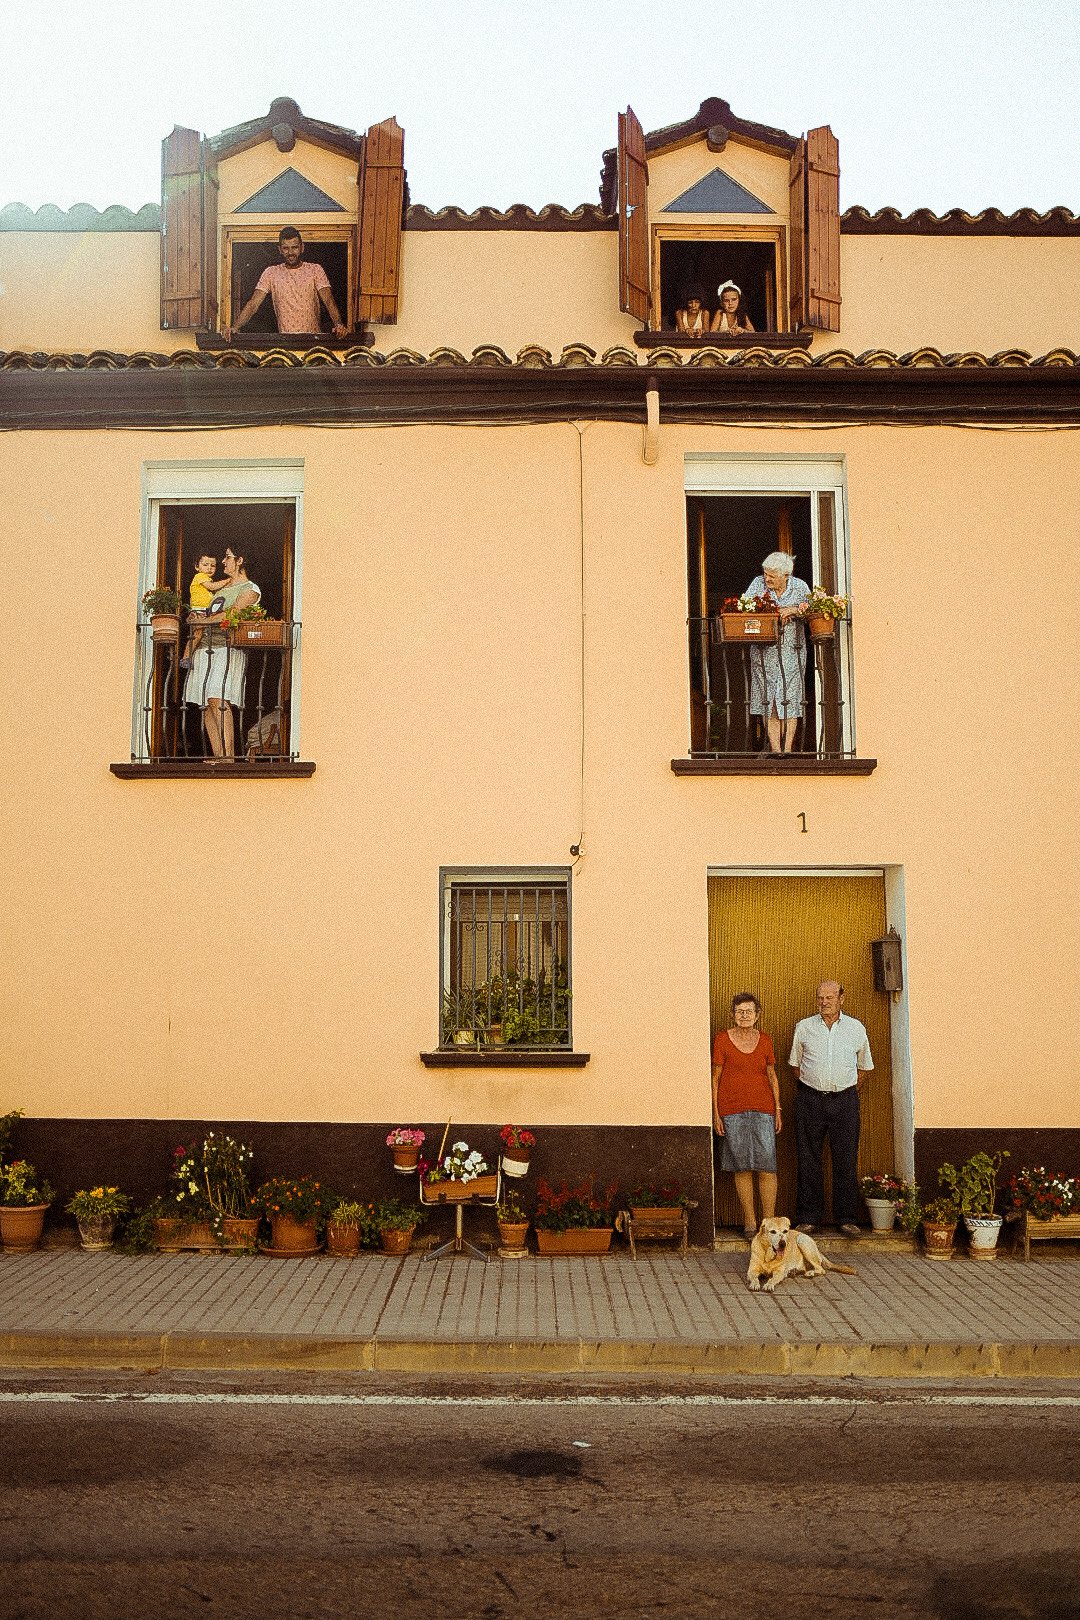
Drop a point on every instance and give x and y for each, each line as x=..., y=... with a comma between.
x=63, y=291
x=239, y=950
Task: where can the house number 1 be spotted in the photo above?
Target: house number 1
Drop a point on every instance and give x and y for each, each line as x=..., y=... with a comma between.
x=802, y=818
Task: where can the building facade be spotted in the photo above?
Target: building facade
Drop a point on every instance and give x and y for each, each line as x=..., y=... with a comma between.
x=498, y=837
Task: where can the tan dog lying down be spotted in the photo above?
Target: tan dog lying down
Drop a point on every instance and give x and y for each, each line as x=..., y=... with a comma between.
x=777, y=1251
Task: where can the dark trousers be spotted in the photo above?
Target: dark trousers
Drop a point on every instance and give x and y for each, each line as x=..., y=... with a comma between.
x=834, y=1114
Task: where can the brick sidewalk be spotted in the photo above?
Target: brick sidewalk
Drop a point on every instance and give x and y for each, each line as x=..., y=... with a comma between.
x=903, y=1313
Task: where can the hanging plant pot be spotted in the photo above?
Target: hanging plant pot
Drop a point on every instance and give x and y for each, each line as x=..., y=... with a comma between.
x=97, y=1232
x=165, y=627
x=983, y=1232
x=820, y=627
x=21, y=1226
x=342, y=1239
x=406, y=1159
x=882, y=1214
x=394, y=1242
x=939, y=1239
x=515, y=1161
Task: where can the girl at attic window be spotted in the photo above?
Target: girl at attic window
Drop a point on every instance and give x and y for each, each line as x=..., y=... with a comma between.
x=731, y=316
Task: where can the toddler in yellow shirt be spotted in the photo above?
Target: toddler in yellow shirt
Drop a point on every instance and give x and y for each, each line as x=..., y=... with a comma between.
x=201, y=593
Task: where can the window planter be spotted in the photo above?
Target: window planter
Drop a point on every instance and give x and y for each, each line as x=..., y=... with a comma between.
x=749, y=626
x=257, y=633
x=579, y=1240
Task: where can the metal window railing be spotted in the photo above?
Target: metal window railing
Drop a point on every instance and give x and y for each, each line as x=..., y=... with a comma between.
x=178, y=676
x=724, y=675
x=506, y=965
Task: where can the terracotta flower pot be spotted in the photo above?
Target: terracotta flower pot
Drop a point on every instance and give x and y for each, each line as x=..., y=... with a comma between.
x=515, y=1161
x=582, y=1240
x=513, y=1235
x=292, y=1234
x=820, y=626
x=97, y=1232
x=20, y=1228
x=174, y=1235
x=939, y=1239
x=240, y=1231
x=165, y=626
x=342, y=1239
x=406, y=1158
x=394, y=1242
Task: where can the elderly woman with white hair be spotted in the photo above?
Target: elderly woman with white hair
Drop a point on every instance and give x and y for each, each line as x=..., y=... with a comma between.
x=778, y=669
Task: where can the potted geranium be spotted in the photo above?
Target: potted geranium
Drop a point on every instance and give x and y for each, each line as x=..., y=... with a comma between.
x=462, y=1175
x=405, y=1144
x=395, y=1222
x=1049, y=1203
x=96, y=1209
x=24, y=1198
x=163, y=605
x=821, y=610
x=518, y=1144
x=573, y=1220
x=294, y=1206
x=348, y=1223
x=512, y=1221
x=749, y=618
x=883, y=1193
x=939, y=1220
x=974, y=1188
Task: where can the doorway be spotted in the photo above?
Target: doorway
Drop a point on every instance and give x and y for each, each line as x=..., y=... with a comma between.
x=779, y=936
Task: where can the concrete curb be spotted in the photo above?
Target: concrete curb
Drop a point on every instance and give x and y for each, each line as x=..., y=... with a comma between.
x=305, y=1353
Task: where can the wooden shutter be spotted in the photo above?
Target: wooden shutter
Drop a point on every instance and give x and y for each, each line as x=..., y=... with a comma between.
x=633, y=219
x=797, y=233
x=382, y=195
x=823, y=229
x=188, y=232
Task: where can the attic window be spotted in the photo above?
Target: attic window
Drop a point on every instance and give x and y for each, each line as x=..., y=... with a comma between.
x=710, y=260
x=248, y=252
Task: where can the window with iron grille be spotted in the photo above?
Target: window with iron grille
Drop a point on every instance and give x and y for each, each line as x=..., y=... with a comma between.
x=505, y=958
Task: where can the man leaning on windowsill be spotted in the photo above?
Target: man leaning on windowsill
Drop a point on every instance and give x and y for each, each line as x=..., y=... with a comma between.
x=297, y=286
x=831, y=1053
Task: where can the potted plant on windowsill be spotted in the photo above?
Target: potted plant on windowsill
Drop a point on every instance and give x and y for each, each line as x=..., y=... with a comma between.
x=518, y=1144
x=405, y=1144
x=250, y=627
x=395, y=1222
x=463, y=1174
x=23, y=1202
x=820, y=612
x=97, y=1209
x=512, y=1221
x=573, y=1220
x=749, y=618
x=294, y=1206
x=883, y=1194
x=163, y=605
x=974, y=1188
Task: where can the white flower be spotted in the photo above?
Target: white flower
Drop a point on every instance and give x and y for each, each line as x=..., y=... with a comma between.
x=461, y=1147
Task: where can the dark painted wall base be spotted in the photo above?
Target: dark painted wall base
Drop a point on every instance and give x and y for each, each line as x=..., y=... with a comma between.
x=136, y=1154
x=1055, y=1149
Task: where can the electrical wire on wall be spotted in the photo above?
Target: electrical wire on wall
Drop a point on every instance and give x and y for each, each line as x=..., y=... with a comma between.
x=577, y=850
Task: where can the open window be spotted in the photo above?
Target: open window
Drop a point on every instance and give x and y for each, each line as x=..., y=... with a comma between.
x=248, y=250
x=735, y=520
x=505, y=959
x=753, y=258
x=250, y=668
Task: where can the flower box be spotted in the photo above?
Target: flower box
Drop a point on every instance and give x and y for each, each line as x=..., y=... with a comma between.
x=657, y=1215
x=175, y=1235
x=749, y=626
x=1058, y=1226
x=460, y=1192
x=257, y=633
x=579, y=1240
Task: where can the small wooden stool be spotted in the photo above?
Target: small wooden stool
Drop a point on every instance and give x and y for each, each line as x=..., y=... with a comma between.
x=658, y=1224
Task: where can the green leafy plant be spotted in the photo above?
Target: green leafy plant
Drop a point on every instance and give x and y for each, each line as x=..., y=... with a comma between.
x=349, y=1214
x=942, y=1212
x=20, y=1187
x=394, y=1215
x=662, y=1195
x=909, y=1208
x=302, y=1197
x=137, y=1234
x=973, y=1187
x=7, y=1127
x=572, y=1208
x=243, y=615
x=97, y=1203
x=225, y=1169
x=510, y=1211
x=161, y=599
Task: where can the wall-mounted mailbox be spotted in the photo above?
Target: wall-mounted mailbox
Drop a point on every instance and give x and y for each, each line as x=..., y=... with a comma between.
x=887, y=953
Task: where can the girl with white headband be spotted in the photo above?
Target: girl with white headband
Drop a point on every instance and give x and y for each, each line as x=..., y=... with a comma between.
x=731, y=316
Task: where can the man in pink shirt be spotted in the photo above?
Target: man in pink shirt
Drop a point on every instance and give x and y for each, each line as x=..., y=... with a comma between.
x=296, y=286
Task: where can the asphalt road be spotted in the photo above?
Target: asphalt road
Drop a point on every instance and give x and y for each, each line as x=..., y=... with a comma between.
x=138, y=1498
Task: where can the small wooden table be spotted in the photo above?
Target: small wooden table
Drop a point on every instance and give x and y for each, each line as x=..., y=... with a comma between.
x=459, y=1196
x=659, y=1223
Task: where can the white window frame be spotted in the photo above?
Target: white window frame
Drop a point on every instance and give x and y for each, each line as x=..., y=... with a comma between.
x=734, y=473
x=275, y=480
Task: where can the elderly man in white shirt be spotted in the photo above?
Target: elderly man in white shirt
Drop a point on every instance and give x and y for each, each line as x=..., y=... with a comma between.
x=831, y=1053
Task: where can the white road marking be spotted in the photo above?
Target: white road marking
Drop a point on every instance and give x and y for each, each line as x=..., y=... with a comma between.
x=150, y=1398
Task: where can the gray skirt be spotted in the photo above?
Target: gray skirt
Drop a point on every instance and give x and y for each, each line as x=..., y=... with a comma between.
x=749, y=1142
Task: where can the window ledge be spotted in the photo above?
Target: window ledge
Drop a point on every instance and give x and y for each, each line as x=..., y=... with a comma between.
x=772, y=765
x=459, y=1057
x=362, y=339
x=723, y=340
x=205, y=770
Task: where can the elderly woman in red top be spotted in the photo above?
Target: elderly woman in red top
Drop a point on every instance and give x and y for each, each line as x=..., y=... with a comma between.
x=746, y=1107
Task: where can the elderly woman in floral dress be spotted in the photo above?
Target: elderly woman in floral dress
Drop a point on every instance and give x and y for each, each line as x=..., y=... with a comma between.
x=778, y=669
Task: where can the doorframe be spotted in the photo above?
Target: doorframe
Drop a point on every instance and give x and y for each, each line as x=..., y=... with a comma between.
x=903, y=1085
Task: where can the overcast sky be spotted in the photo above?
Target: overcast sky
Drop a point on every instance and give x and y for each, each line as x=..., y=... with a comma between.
x=942, y=103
